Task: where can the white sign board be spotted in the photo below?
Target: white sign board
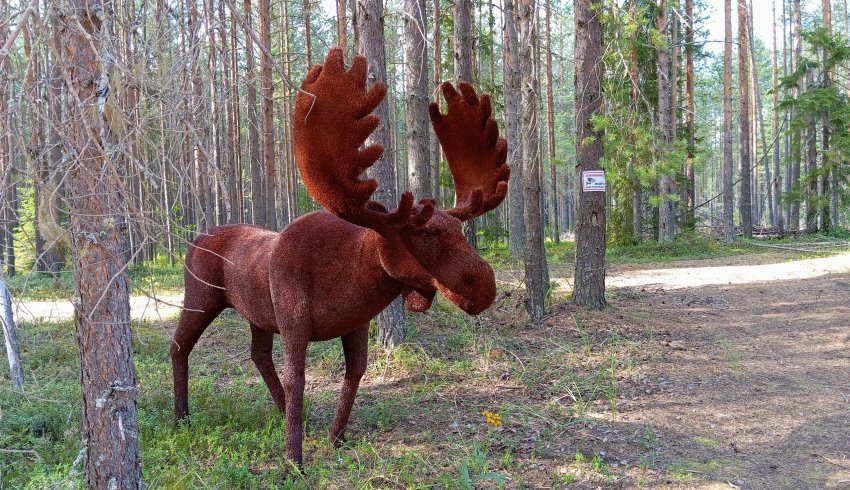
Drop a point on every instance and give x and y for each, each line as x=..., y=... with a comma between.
x=593, y=181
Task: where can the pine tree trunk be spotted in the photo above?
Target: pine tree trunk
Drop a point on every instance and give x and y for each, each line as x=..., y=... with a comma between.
x=536, y=272
x=728, y=196
x=796, y=146
x=258, y=202
x=267, y=94
x=811, y=190
x=666, y=208
x=590, y=228
x=510, y=63
x=550, y=125
x=98, y=236
x=462, y=52
x=744, y=204
x=778, y=218
x=436, y=153
x=392, y=325
x=690, y=113
x=416, y=75
x=826, y=134
x=341, y=26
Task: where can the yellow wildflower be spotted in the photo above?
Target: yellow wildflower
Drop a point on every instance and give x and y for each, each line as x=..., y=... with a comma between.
x=492, y=419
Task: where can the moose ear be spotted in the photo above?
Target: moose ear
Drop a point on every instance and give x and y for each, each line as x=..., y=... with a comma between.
x=417, y=301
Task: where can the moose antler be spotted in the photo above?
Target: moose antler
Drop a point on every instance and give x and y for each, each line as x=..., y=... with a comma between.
x=476, y=154
x=330, y=128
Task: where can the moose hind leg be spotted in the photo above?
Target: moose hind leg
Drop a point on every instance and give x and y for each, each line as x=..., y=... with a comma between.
x=189, y=329
x=355, y=345
x=261, y=354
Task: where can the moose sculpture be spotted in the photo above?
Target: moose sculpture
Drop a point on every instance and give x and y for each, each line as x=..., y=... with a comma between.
x=328, y=273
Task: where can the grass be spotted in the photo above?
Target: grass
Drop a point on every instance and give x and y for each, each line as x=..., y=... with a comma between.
x=417, y=423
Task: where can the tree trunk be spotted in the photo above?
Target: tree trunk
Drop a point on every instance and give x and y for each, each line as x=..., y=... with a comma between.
x=590, y=228
x=550, y=125
x=690, y=114
x=258, y=202
x=307, y=32
x=341, y=26
x=436, y=153
x=98, y=236
x=392, y=325
x=462, y=52
x=416, y=75
x=536, y=272
x=824, y=202
x=811, y=191
x=796, y=147
x=510, y=64
x=728, y=223
x=10, y=336
x=744, y=204
x=778, y=218
x=666, y=209
x=267, y=94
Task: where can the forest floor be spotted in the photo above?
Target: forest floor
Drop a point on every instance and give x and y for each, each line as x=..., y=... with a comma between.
x=719, y=373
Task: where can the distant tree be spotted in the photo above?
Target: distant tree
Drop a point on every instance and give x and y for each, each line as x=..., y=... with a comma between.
x=744, y=203
x=511, y=77
x=728, y=223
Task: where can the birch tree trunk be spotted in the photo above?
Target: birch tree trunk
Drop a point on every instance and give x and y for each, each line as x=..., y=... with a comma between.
x=10, y=336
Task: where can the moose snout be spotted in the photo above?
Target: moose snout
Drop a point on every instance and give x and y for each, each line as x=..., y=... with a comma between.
x=481, y=289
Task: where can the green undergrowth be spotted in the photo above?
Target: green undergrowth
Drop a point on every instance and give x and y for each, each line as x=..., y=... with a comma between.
x=417, y=422
x=160, y=278
x=147, y=278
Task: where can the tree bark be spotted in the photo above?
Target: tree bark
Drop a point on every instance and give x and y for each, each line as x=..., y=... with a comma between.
x=462, y=53
x=510, y=64
x=811, y=191
x=416, y=75
x=728, y=223
x=536, y=271
x=666, y=207
x=550, y=125
x=392, y=325
x=258, y=202
x=778, y=218
x=796, y=144
x=99, y=239
x=10, y=336
x=267, y=94
x=590, y=228
x=690, y=114
x=826, y=134
x=744, y=204
x=436, y=153
x=341, y=26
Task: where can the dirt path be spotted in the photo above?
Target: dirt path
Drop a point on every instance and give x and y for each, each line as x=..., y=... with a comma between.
x=753, y=388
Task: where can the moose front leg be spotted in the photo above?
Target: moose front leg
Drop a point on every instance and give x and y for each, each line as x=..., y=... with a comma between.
x=355, y=345
x=295, y=351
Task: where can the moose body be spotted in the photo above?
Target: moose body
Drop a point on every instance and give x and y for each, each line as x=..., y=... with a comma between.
x=328, y=273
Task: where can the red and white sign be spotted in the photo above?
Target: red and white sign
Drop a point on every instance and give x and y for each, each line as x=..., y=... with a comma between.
x=593, y=181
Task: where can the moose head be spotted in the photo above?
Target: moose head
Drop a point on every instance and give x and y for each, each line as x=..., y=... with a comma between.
x=328, y=273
